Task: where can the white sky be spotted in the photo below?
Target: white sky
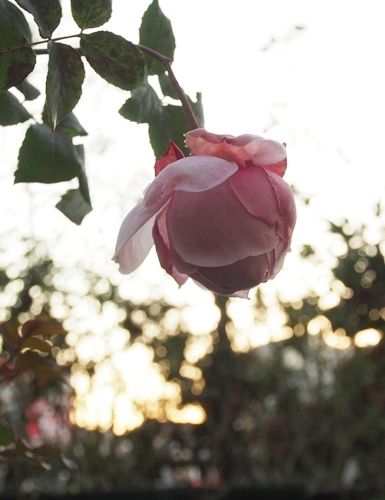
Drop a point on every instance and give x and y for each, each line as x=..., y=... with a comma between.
x=320, y=90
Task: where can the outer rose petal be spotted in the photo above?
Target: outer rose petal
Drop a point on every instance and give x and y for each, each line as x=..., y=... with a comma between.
x=188, y=174
x=267, y=196
x=132, y=250
x=240, y=275
x=245, y=150
x=162, y=245
x=285, y=201
x=212, y=228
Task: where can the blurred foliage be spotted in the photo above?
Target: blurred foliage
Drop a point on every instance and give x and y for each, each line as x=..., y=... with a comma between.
x=293, y=413
x=357, y=286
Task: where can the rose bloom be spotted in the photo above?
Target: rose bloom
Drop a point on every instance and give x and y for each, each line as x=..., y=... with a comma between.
x=222, y=216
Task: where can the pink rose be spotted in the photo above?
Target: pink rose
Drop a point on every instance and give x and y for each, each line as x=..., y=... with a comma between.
x=222, y=216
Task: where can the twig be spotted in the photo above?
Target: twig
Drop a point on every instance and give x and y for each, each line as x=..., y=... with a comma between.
x=26, y=45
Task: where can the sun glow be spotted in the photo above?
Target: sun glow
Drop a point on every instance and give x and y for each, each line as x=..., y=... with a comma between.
x=367, y=338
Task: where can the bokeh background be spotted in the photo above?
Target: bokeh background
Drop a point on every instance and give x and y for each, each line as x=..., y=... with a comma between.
x=159, y=387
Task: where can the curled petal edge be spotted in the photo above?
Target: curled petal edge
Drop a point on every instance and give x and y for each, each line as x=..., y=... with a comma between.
x=246, y=150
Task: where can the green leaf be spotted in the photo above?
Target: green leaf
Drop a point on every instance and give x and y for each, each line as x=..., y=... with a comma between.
x=115, y=59
x=165, y=122
x=74, y=206
x=143, y=106
x=91, y=13
x=11, y=110
x=83, y=181
x=15, y=64
x=76, y=203
x=156, y=32
x=47, y=157
x=46, y=13
x=6, y=436
x=171, y=126
x=64, y=81
x=174, y=126
x=71, y=126
x=166, y=86
x=28, y=90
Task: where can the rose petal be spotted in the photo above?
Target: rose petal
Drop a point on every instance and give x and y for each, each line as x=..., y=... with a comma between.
x=285, y=199
x=193, y=174
x=241, y=275
x=279, y=254
x=162, y=245
x=212, y=228
x=245, y=150
x=190, y=174
x=131, y=252
x=253, y=188
x=267, y=196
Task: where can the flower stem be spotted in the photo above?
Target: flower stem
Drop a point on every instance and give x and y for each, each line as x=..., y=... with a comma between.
x=186, y=103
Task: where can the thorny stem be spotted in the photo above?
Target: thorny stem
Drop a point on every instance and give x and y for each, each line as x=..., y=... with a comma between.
x=166, y=61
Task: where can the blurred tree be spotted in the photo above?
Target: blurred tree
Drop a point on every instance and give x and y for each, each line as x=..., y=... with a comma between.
x=357, y=287
x=296, y=412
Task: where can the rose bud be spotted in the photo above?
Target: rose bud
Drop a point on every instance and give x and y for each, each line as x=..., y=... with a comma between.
x=222, y=216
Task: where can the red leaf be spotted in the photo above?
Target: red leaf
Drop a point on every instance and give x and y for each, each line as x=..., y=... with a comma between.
x=172, y=154
x=41, y=325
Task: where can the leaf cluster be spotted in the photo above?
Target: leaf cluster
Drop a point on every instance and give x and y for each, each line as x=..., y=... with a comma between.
x=48, y=153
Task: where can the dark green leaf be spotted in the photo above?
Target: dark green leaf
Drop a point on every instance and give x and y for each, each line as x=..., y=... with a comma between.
x=6, y=436
x=16, y=64
x=47, y=14
x=143, y=106
x=175, y=125
x=47, y=157
x=11, y=110
x=166, y=86
x=28, y=90
x=171, y=124
x=156, y=32
x=71, y=126
x=91, y=13
x=76, y=203
x=159, y=134
x=64, y=81
x=74, y=206
x=83, y=181
x=114, y=59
